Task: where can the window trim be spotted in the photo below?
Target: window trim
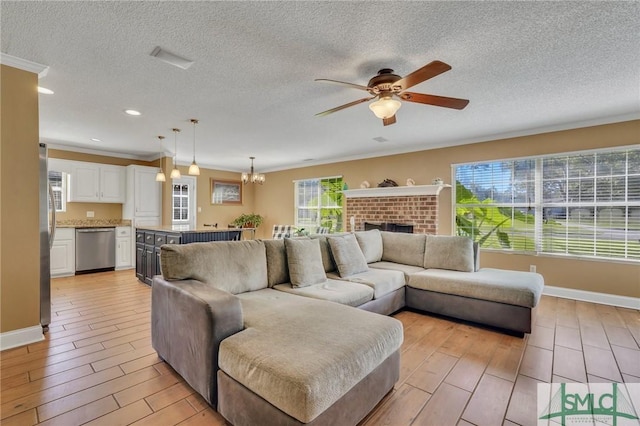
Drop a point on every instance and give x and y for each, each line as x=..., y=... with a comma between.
x=538, y=205
x=297, y=208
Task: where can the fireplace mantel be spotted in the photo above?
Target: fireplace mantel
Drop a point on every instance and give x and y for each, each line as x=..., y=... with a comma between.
x=395, y=191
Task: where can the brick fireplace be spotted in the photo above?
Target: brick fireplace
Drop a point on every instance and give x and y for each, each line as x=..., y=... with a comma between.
x=414, y=205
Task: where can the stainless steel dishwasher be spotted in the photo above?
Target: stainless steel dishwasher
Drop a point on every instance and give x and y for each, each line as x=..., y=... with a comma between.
x=95, y=249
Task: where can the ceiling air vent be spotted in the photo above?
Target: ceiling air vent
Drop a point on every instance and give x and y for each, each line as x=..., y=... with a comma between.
x=171, y=58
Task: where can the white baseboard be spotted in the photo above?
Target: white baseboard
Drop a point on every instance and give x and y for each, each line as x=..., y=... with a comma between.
x=23, y=336
x=591, y=296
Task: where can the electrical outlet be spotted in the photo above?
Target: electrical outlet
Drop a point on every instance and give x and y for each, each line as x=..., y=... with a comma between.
x=90, y=213
x=199, y=209
x=532, y=268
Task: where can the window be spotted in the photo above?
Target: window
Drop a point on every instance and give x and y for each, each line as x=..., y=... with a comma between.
x=581, y=204
x=318, y=202
x=180, y=203
x=58, y=180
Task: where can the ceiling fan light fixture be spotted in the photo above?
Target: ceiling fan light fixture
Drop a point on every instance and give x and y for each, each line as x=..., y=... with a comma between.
x=385, y=107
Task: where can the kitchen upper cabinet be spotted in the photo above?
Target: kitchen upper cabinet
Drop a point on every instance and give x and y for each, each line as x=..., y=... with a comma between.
x=143, y=193
x=96, y=183
x=63, y=253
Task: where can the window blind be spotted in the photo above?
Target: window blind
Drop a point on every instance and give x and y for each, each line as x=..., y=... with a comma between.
x=579, y=204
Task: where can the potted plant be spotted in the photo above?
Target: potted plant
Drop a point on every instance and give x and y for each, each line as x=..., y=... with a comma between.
x=248, y=220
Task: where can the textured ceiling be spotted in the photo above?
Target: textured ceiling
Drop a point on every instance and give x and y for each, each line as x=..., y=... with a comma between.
x=526, y=67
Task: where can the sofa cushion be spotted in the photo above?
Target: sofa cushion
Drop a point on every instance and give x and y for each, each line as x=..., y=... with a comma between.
x=453, y=253
x=370, y=243
x=327, y=258
x=304, y=370
x=347, y=254
x=343, y=292
x=399, y=247
x=405, y=269
x=277, y=268
x=305, y=262
x=380, y=280
x=496, y=285
x=233, y=266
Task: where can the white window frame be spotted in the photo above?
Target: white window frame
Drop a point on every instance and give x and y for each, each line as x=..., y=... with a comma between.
x=318, y=208
x=538, y=207
x=62, y=189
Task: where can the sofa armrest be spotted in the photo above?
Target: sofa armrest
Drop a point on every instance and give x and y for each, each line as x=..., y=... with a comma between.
x=189, y=319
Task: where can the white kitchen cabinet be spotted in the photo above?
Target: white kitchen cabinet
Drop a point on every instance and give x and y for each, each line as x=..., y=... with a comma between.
x=63, y=253
x=96, y=183
x=144, y=198
x=124, y=245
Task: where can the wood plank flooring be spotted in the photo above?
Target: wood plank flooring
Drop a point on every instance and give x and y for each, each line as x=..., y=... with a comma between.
x=97, y=365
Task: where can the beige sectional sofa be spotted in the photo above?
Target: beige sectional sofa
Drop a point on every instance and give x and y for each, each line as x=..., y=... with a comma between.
x=268, y=332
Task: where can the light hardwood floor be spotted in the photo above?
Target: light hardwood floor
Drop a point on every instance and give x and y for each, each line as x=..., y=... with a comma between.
x=97, y=365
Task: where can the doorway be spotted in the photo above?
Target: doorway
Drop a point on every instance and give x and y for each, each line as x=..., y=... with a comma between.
x=183, y=201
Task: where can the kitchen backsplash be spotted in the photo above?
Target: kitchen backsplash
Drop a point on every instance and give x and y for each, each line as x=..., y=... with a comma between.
x=71, y=223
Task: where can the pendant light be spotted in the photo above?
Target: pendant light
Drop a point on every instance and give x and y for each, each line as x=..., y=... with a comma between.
x=160, y=177
x=175, y=173
x=253, y=177
x=193, y=168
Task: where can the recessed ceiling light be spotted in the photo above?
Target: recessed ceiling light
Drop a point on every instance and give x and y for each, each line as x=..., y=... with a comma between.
x=96, y=140
x=132, y=112
x=45, y=91
x=380, y=139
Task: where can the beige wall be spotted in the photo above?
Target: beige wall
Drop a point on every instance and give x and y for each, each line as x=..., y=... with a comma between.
x=19, y=188
x=275, y=200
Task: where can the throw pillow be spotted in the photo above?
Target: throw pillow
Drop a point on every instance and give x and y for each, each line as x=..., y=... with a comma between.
x=370, y=243
x=453, y=253
x=305, y=262
x=347, y=255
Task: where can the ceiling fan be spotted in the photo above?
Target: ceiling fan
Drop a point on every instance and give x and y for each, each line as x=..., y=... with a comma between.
x=387, y=85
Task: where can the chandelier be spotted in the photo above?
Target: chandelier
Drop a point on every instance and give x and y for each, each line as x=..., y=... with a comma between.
x=252, y=176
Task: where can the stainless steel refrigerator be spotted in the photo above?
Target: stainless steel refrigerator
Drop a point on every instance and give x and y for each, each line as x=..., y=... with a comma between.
x=47, y=232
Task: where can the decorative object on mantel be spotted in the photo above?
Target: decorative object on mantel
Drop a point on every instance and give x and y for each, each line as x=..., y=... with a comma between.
x=160, y=177
x=411, y=182
x=365, y=184
x=194, y=170
x=386, y=183
x=175, y=173
x=395, y=191
x=252, y=177
x=437, y=181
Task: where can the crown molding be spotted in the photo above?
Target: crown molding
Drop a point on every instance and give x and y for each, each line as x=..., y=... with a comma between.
x=24, y=64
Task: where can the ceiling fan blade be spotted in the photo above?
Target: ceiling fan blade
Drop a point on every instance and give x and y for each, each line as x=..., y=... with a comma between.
x=441, y=101
x=388, y=121
x=430, y=70
x=352, y=85
x=350, y=104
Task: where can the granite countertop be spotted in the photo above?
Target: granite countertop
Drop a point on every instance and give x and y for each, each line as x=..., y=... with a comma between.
x=92, y=223
x=187, y=228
